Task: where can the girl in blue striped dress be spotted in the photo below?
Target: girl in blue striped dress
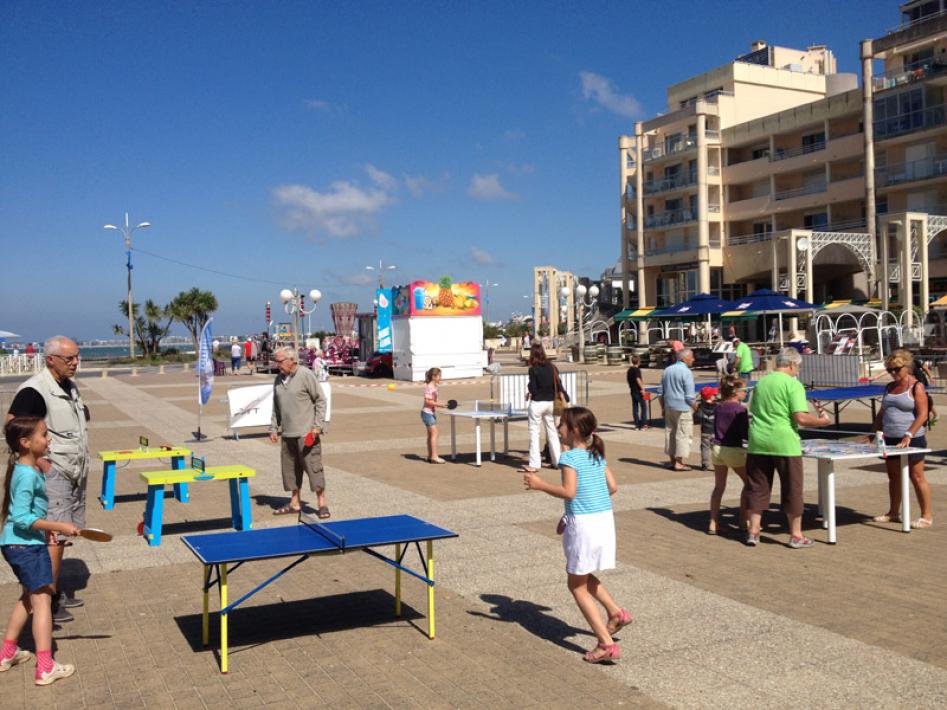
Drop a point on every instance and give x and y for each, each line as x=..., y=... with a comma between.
x=588, y=526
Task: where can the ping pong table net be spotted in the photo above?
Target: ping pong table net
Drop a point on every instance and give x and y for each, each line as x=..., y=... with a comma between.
x=312, y=522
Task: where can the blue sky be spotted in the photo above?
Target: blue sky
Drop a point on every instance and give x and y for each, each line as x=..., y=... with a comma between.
x=297, y=142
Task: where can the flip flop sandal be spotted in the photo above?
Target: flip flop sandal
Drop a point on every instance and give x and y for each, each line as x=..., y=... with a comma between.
x=286, y=510
x=602, y=653
x=618, y=622
x=921, y=523
x=323, y=513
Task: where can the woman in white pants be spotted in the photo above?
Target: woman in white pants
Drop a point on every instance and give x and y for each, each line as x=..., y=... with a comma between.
x=543, y=382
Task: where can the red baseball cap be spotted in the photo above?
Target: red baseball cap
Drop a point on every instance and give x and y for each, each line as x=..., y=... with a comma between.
x=708, y=393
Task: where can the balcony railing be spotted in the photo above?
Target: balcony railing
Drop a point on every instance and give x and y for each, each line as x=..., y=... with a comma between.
x=665, y=219
x=712, y=97
x=713, y=207
x=713, y=170
x=894, y=79
x=909, y=122
x=712, y=134
x=670, y=183
x=923, y=169
x=679, y=146
x=786, y=153
x=800, y=191
x=852, y=225
x=670, y=248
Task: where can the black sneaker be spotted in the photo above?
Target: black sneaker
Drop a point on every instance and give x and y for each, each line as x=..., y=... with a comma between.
x=69, y=602
x=61, y=615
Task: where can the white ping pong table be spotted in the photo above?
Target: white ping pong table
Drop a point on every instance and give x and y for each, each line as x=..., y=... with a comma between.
x=480, y=411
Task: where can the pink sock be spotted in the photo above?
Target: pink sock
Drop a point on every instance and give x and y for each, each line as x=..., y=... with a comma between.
x=9, y=650
x=44, y=662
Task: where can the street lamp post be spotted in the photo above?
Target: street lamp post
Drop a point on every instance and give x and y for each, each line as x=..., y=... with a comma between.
x=127, y=232
x=581, y=304
x=486, y=299
x=381, y=269
x=292, y=304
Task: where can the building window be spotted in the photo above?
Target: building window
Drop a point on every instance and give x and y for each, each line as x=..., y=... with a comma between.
x=760, y=151
x=813, y=142
x=917, y=60
x=760, y=228
x=815, y=221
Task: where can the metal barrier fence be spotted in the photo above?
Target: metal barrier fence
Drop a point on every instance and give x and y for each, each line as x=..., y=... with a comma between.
x=20, y=364
x=832, y=370
x=511, y=389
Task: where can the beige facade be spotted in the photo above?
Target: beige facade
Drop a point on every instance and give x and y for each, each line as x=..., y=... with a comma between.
x=722, y=168
x=777, y=171
x=553, y=314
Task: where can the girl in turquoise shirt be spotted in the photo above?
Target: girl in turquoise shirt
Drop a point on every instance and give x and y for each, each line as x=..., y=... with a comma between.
x=23, y=545
x=588, y=526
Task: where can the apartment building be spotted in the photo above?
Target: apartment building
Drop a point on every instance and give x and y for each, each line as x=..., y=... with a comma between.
x=775, y=170
x=904, y=73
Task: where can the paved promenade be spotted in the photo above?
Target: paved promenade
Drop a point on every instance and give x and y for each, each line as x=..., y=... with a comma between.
x=717, y=624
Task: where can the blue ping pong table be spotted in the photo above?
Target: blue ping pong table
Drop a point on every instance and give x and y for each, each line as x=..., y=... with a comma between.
x=842, y=397
x=223, y=553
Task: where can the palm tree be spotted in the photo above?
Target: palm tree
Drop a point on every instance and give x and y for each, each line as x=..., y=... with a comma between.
x=193, y=309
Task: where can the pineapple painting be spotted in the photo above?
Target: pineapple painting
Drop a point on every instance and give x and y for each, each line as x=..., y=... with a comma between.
x=445, y=297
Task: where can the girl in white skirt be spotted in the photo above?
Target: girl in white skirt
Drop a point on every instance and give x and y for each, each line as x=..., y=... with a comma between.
x=588, y=526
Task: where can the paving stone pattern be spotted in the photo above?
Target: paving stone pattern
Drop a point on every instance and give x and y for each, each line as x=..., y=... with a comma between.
x=717, y=624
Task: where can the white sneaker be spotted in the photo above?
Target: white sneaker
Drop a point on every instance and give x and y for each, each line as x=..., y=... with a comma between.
x=17, y=658
x=59, y=670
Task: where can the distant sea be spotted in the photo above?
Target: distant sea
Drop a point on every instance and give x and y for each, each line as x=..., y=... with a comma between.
x=105, y=352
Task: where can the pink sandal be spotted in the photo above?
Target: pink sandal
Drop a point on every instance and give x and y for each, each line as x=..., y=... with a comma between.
x=617, y=622
x=603, y=652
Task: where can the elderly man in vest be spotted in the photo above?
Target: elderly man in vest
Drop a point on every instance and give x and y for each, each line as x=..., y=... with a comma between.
x=52, y=394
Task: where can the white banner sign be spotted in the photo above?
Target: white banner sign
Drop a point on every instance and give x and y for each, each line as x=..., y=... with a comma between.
x=253, y=406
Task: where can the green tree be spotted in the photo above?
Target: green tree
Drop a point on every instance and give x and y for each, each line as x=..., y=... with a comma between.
x=192, y=309
x=149, y=328
x=491, y=331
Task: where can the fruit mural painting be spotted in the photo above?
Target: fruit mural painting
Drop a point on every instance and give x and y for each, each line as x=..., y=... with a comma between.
x=437, y=298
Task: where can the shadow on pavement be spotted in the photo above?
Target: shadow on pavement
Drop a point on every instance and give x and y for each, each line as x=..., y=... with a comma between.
x=532, y=618
x=190, y=526
x=773, y=523
x=256, y=625
x=277, y=502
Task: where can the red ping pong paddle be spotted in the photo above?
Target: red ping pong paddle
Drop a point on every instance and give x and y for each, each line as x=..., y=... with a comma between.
x=310, y=439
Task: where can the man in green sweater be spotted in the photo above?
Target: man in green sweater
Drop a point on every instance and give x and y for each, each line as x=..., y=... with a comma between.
x=299, y=412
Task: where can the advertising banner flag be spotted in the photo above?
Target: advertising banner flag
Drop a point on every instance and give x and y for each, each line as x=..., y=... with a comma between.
x=383, y=297
x=205, y=364
x=437, y=298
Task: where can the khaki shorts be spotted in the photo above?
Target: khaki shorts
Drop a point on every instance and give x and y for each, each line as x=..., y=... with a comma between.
x=678, y=432
x=296, y=459
x=732, y=456
x=66, y=500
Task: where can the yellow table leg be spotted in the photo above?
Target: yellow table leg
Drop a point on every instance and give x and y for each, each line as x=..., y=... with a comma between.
x=223, y=618
x=397, y=581
x=430, y=589
x=205, y=624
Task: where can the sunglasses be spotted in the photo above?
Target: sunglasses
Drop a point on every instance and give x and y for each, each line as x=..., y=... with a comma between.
x=70, y=358
x=892, y=370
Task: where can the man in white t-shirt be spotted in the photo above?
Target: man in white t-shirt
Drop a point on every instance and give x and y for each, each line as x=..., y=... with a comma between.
x=236, y=351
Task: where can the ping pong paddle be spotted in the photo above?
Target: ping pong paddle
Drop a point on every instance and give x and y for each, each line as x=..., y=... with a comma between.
x=95, y=535
x=452, y=404
x=310, y=439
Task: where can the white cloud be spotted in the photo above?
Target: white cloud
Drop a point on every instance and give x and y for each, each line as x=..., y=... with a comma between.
x=513, y=135
x=482, y=256
x=359, y=279
x=600, y=90
x=318, y=105
x=344, y=210
x=488, y=187
x=386, y=182
x=418, y=185
x=518, y=168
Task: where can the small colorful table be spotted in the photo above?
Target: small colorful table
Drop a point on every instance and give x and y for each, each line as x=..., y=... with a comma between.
x=238, y=476
x=176, y=454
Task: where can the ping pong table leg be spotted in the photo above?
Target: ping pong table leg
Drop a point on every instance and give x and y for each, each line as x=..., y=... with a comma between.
x=493, y=440
x=821, y=476
x=205, y=624
x=905, y=495
x=154, y=512
x=223, y=618
x=477, y=436
x=397, y=581
x=506, y=435
x=180, y=489
x=830, y=499
x=453, y=440
x=108, y=485
x=430, y=589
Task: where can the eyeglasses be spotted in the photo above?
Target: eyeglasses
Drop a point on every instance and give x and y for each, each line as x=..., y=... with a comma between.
x=70, y=358
x=892, y=370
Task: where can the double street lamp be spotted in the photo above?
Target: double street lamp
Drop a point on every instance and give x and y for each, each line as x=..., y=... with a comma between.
x=381, y=269
x=486, y=299
x=127, y=231
x=293, y=305
x=584, y=298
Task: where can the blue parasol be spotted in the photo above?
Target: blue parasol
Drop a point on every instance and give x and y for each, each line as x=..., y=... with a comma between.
x=703, y=304
x=764, y=302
